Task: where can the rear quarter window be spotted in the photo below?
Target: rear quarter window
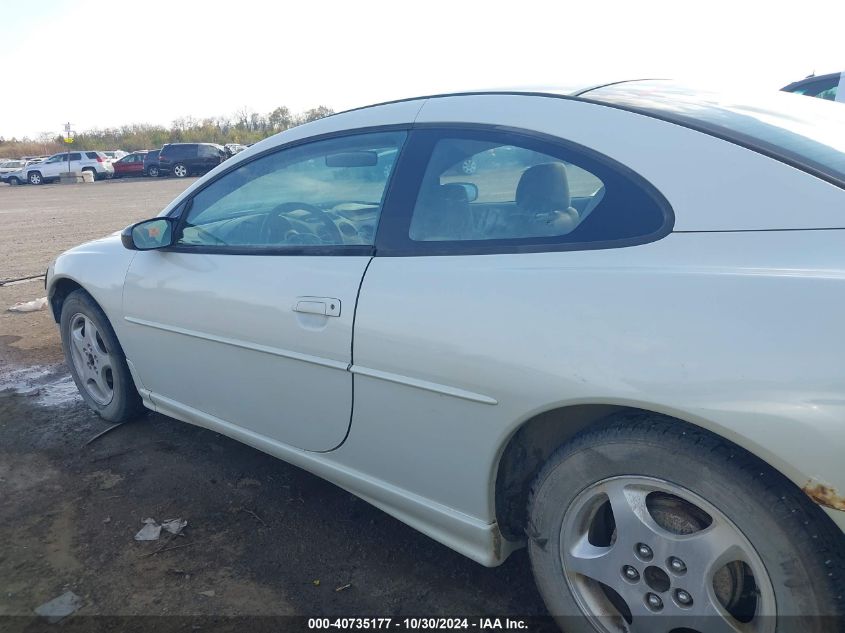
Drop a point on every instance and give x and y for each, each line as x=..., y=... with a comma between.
x=478, y=191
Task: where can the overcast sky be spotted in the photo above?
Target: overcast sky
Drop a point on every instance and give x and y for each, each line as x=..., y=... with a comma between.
x=107, y=62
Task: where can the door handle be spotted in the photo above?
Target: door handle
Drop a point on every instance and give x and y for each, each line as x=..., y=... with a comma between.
x=325, y=306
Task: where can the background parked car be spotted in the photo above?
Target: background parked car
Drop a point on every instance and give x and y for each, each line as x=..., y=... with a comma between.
x=53, y=167
x=151, y=163
x=15, y=176
x=183, y=159
x=130, y=165
x=11, y=165
x=233, y=148
x=115, y=154
x=830, y=87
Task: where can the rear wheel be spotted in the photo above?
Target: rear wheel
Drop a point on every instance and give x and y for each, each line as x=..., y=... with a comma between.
x=152, y=171
x=35, y=178
x=179, y=170
x=96, y=360
x=93, y=172
x=649, y=524
x=14, y=181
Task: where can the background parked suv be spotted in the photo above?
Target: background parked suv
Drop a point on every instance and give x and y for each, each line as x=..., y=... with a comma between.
x=57, y=164
x=183, y=159
x=151, y=163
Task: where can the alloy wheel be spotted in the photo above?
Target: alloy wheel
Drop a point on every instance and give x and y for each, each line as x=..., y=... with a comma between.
x=91, y=359
x=635, y=548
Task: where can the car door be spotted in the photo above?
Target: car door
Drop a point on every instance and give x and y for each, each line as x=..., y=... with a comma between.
x=52, y=167
x=208, y=157
x=76, y=162
x=129, y=165
x=479, y=300
x=248, y=317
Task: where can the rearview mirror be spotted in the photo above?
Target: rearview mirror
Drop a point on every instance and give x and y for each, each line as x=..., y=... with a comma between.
x=149, y=234
x=352, y=159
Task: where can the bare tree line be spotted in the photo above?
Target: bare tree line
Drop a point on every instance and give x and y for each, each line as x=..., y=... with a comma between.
x=243, y=126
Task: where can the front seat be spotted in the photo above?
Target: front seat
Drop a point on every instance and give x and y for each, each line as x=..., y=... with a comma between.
x=543, y=202
x=442, y=214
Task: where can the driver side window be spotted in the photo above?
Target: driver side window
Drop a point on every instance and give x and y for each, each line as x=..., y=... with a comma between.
x=326, y=193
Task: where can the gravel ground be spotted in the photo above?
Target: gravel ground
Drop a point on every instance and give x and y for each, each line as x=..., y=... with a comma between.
x=263, y=537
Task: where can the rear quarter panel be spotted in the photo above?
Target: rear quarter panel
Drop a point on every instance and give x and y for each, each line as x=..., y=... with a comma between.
x=736, y=332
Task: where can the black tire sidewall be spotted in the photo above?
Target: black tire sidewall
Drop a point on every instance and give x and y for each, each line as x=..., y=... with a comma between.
x=799, y=589
x=126, y=402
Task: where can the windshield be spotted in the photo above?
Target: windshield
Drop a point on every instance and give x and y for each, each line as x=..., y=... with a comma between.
x=806, y=133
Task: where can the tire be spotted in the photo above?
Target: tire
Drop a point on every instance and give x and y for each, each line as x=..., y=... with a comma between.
x=179, y=170
x=152, y=171
x=35, y=178
x=646, y=480
x=96, y=360
x=14, y=181
x=93, y=173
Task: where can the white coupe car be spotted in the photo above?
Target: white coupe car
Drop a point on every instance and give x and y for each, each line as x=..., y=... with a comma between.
x=618, y=340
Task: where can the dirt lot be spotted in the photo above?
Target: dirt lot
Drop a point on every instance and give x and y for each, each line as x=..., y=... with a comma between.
x=263, y=537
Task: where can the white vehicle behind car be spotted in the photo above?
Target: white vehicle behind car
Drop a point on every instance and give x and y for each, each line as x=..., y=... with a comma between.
x=114, y=154
x=80, y=161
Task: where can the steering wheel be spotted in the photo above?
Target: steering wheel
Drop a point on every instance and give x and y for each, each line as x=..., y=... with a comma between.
x=330, y=228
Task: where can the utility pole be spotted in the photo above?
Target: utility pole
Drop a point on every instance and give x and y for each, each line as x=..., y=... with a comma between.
x=68, y=140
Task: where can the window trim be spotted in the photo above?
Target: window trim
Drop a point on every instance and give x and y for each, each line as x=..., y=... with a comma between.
x=392, y=234
x=181, y=210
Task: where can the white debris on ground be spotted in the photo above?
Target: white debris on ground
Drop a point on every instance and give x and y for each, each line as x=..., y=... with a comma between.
x=152, y=529
x=49, y=386
x=30, y=306
x=59, y=608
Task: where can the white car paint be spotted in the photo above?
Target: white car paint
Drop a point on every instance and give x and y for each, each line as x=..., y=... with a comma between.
x=452, y=354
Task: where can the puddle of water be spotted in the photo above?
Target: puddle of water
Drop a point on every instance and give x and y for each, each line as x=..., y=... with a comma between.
x=48, y=386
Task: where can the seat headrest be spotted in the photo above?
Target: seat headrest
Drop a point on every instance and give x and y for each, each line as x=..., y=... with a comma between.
x=543, y=188
x=452, y=194
x=442, y=214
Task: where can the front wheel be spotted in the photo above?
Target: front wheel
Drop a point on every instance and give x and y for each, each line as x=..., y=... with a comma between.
x=649, y=524
x=179, y=170
x=152, y=171
x=96, y=360
x=35, y=178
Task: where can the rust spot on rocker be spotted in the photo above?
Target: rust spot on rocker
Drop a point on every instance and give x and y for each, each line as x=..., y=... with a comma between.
x=824, y=495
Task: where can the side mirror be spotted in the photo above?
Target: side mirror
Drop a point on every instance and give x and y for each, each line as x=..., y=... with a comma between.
x=149, y=235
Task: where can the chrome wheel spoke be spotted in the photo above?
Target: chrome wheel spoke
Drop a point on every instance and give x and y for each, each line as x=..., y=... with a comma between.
x=78, y=340
x=707, y=551
x=597, y=563
x=633, y=522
